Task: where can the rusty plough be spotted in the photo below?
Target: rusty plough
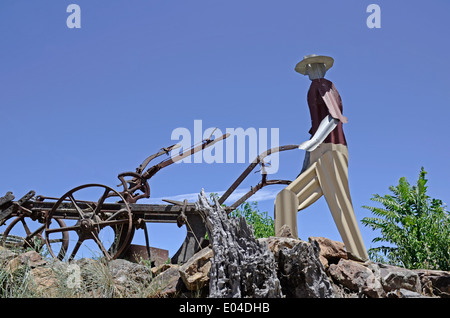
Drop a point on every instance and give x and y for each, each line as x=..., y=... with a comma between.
x=85, y=220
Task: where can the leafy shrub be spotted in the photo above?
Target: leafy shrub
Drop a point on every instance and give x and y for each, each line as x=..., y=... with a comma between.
x=416, y=227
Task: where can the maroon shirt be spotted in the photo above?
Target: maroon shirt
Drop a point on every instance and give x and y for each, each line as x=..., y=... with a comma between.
x=319, y=91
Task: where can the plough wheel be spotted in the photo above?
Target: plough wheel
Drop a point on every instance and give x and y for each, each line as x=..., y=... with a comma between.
x=90, y=221
x=30, y=236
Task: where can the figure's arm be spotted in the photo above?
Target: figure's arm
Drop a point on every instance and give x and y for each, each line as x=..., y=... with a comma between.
x=332, y=99
x=325, y=128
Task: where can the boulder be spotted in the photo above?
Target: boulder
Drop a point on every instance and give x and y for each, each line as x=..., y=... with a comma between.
x=396, y=278
x=126, y=274
x=357, y=278
x=330, y=251
x=161, y=268
x=276, y=243
x=194, y=272
x=45, y=281
x=435, y=282
x=31, y=259
x=404, y=293
x=301, y=273
x=6, y=255
x=167, y=284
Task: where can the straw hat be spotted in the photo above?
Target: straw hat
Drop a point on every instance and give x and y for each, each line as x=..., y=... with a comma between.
x=314, y=58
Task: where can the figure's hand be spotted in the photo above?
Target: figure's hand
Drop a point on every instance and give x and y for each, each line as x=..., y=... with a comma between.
x=305, y=145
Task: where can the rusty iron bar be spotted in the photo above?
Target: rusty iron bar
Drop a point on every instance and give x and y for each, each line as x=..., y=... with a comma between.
x=140, y=179
x=204, y=144
x=258, y=160
x=252, y=191
x=153, y=213
x=162, y=151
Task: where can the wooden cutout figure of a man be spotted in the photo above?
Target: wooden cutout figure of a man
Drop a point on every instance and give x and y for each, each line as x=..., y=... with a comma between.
x=325, y=168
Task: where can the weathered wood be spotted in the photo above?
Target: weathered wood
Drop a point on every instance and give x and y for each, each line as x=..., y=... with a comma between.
x=241, y=266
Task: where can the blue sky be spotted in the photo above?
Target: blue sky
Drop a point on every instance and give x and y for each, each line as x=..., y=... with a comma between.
x=83, y=105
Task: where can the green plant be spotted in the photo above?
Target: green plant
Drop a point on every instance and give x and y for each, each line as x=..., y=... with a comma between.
x=263, y=225
x=415, y=226
x=15, y=283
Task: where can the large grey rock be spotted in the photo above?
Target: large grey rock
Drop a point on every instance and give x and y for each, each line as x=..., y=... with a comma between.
x=126, y=273
x=396, y=278
x=435, y=282
x=301, y=273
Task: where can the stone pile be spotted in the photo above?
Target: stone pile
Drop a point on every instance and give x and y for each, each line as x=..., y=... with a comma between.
x=317, y=268
x=235, y=264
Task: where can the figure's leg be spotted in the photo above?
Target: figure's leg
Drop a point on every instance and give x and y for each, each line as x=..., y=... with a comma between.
x=285, y=213
x=332, y=170
x=301, y=193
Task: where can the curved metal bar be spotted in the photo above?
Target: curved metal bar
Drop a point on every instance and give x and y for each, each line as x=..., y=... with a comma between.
x=249, y=169
x=204, y=144
x=252, y=191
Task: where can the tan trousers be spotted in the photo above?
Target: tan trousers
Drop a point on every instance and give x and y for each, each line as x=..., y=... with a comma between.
x=326, y=174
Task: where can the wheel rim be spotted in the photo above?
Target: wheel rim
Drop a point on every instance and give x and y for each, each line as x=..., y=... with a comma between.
x=31, y=236
x=91, y=219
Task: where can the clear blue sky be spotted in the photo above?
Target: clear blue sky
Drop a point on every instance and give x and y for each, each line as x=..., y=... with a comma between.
x=82, y=105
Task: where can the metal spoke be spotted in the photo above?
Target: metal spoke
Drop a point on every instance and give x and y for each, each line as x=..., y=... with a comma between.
x=35, y=233
x=99, y=243
x=100, y=202
x=25, y=226
x=56, y=240
x=63, y=229
x=75, y=249
x=79, y=210
x=116, y=214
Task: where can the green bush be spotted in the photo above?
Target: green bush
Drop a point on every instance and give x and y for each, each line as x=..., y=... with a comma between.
x=415, y=226
x=263, y=225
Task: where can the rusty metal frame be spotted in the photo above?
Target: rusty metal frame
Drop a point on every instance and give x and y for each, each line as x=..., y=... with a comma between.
x=42, y=208
x=259, y=160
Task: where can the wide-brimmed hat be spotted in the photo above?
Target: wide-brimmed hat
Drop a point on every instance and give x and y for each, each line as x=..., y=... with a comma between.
x=314, y=58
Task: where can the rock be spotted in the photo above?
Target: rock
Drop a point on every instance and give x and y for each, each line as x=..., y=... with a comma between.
x=396, y=278
x=6, y=255
x=301, y=273
x=434, y=282
x=330, y=251
x=161, y=268
x=166, y=284
x=404, y=293
x=31, y=259
x=127, y=275
x=195, y=271
x=45, y=281
x=357, y=278
x=276, y=243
